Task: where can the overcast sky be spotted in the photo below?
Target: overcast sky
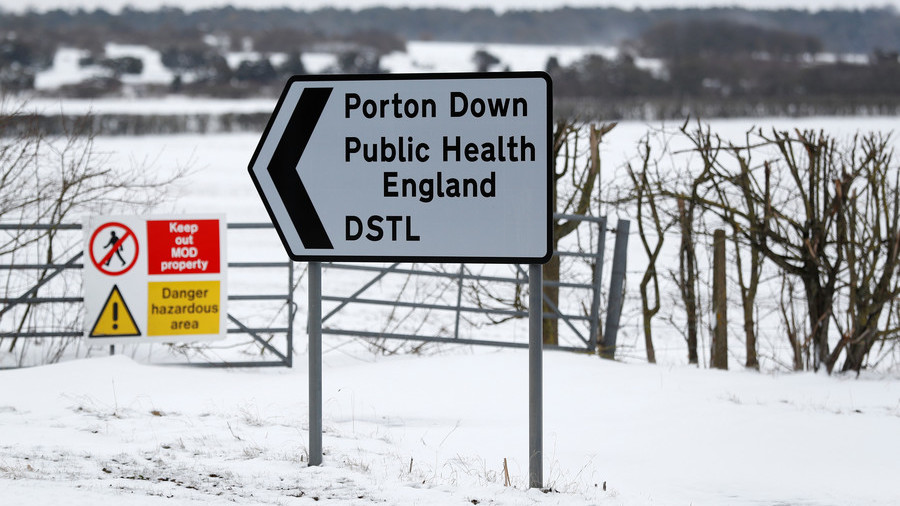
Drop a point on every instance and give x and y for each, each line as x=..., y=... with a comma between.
x=115, y=5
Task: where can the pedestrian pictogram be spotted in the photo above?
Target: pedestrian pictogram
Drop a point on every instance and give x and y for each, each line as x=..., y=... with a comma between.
x=115, y=318
x=114, y=248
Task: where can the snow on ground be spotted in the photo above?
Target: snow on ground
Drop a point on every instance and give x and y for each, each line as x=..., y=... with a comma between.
x=434, y=56
x=66, y=69
x=435, y=430
x=170, y=104
x=420, y=56
x=153, y=72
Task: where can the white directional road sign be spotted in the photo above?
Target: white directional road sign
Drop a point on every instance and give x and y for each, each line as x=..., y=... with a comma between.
x=439, y=167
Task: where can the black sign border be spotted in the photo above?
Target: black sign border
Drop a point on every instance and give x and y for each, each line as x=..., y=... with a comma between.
x=312, y=78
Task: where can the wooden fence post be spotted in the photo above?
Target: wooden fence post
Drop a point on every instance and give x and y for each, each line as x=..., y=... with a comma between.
x=719, y=359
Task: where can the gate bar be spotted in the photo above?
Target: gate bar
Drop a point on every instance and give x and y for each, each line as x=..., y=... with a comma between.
x=359, y=292
x=598, y=282
x=567, y=319
x=616, y=290
x=368, y=334
x=40, y=283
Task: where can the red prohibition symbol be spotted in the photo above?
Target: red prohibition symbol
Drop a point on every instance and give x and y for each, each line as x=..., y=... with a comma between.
x=111, y=251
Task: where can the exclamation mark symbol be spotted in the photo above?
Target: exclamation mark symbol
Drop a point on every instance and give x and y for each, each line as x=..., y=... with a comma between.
x=115, y=315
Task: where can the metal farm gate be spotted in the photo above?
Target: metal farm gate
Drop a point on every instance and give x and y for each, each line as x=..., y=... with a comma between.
x=462, y=294
x=423, y=303
x=44, y=299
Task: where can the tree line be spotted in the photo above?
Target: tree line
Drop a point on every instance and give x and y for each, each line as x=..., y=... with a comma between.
x=721, y=59
x=843, y=31
x=813, y=228
x=750, y=58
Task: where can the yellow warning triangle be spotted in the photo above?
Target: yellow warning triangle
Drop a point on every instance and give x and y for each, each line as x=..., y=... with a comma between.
x=115, y=318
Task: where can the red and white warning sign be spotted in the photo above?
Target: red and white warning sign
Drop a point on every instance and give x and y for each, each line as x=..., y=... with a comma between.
x=113, y=248
x=155, y=279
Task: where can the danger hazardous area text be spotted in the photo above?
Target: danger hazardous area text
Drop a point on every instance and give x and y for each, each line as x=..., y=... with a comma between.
x=183, y=307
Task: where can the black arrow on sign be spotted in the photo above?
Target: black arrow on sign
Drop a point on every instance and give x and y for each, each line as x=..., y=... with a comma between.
x=283, y=168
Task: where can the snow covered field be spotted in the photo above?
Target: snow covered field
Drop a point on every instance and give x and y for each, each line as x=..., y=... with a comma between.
x=435, y=429
x=420, y=56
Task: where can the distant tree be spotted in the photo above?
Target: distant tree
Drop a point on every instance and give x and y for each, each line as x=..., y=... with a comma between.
x=213, y=69
x=123, y=65
x=206, y=63
x=255, y=71
x=281, y=39
x=597, y=76
x=292, y=65
x=845, y=79
x=883, y=57
x=26, y=50
x=674, y=40
x=484, y=60
x=21, y=57
x=16, y=79
x=842, y=31
x=359, y=61
x=94, y=87
x=553, y=66
x=382, y=41
x=177, y=84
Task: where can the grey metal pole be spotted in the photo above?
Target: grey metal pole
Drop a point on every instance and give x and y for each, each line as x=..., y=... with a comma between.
x=315, y=363
x=459, y=291
x=291, y=313
x=535, y=378
x=598, y=280
x=616, y=290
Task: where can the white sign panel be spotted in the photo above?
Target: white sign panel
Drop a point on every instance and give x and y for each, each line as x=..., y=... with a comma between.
x=155, y=279
x=441, y=167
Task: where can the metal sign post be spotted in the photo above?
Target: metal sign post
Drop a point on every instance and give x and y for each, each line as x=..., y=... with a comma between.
x=535, y=378
x=315, y=363
x=535, y=371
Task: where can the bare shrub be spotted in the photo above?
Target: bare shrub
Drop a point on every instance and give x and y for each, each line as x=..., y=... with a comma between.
x=45, y=183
